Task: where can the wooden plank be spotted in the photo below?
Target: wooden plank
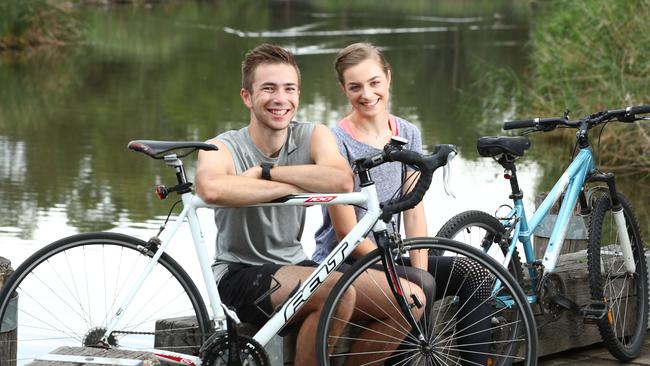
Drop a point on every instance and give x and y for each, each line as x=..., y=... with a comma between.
x=7, y=329
x=569, y=330
x=94, y=353
x=178, y=334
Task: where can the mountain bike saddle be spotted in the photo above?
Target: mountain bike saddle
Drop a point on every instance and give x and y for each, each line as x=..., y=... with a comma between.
x=491, y=146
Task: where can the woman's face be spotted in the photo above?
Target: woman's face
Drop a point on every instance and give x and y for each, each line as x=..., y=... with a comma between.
x=366, y=87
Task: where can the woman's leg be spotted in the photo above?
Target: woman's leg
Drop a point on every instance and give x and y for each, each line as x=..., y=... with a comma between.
x=469, y=282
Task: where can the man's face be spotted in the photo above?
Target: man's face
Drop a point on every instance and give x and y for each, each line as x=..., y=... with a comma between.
x=274, y=98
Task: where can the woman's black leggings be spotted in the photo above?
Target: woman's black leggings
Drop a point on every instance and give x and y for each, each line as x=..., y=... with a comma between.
x=466, y=279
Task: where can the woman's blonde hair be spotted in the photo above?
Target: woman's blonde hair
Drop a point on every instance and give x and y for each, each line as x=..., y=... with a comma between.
x=356, y=53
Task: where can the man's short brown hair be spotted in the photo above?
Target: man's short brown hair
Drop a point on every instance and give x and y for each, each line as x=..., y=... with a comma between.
x=264, y=54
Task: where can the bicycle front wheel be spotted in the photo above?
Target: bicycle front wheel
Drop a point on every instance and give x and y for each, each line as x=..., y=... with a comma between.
x=477, y=313
x=625, y=294
x=68, y=291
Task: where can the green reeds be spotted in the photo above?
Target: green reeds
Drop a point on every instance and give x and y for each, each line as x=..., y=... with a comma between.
x=584, y=56
x=593, y=55
x=30, y=23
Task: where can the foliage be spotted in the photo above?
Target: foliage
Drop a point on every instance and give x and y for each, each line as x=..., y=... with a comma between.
x=586, y=57
x=28, y=23
x=595, y=56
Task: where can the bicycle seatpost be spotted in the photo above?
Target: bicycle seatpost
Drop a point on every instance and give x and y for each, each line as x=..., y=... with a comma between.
x=508, y=163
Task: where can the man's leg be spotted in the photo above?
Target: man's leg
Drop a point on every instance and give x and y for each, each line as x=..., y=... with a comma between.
x=309, y=314
x=370, y=300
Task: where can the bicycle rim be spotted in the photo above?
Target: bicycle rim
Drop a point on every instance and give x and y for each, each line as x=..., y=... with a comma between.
x=497, y=328
x=68, y=291
x=626, y=295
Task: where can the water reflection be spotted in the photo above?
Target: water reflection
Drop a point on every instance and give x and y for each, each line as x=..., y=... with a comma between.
x=172, y=72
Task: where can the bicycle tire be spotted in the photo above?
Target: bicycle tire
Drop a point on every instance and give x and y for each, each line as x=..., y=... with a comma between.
x=512, y=336
x=61, y=305
x=482, y=230
x=629, y=312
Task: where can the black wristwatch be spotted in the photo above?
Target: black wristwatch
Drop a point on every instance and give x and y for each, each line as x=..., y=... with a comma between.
x=266, y=170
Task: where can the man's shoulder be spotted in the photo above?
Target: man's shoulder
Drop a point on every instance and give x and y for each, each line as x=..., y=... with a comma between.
x=302, y=126
x=232, y=134
x=301, y=131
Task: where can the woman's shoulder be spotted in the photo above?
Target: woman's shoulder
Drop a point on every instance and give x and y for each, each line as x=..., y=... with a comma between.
x=341, y=134
x=405, y=124
x=407, y=129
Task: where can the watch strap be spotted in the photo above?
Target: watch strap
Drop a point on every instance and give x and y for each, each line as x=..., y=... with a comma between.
x=266, y=170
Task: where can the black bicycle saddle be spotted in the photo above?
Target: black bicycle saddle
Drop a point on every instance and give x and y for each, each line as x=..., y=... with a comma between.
x=491, y=146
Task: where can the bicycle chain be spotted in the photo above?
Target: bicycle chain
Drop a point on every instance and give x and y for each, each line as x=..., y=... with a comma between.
x=147, y=333
x=132, y=332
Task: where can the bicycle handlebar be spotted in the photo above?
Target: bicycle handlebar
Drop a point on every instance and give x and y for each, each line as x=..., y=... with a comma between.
x=529, y=123
x=426, y=164
x=547, y=124
x=641, y=109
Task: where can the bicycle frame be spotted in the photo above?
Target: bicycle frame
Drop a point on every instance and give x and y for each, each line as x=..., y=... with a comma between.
x=370, y=221
x=572, y=182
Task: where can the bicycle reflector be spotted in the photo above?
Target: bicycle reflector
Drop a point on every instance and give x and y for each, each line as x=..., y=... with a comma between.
x=162, y=192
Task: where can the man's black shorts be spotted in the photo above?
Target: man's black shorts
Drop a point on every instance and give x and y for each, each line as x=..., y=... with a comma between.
x=243, y=284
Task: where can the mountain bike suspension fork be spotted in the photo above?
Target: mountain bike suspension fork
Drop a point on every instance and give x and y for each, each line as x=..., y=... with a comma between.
x=619, y=218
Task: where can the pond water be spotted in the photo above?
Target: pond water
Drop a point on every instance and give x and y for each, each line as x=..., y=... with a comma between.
x=171, y=71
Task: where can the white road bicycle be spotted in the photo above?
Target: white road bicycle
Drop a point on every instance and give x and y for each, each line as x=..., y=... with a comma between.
x=111, y=290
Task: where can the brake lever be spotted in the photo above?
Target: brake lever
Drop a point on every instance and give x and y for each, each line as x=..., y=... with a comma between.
x=446, y=174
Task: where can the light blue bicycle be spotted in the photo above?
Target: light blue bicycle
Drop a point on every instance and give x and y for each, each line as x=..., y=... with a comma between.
x=616, y=263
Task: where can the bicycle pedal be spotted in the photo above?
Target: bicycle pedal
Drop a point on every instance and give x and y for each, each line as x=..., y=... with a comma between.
x=594, y=312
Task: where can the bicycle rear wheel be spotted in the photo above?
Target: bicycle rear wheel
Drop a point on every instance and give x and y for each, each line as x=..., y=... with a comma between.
x=465, y=320
x=625, y=294
x=69, y=290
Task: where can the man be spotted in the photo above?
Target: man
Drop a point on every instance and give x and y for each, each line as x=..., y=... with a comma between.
x=270, y=158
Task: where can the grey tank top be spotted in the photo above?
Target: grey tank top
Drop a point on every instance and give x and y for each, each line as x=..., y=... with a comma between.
x=258, y=235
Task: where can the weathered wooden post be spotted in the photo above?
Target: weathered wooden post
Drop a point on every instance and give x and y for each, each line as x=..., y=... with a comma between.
x=178, y=334
x=8, y=324
x=576, y=238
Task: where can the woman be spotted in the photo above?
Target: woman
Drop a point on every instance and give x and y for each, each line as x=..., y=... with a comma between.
x=364, y=76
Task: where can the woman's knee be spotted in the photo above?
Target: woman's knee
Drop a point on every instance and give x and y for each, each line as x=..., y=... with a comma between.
x=346, y=303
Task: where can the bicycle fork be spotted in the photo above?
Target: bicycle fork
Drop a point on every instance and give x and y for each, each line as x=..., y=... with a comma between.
x=619, y=219
x=396, y=286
